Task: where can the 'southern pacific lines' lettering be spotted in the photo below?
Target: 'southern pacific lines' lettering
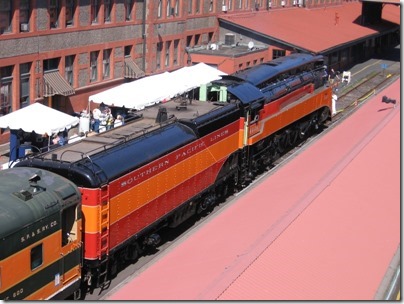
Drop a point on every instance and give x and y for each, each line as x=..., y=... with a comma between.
x=149, y=170
x=171, y=160
x=219, y=135
x=184, y=153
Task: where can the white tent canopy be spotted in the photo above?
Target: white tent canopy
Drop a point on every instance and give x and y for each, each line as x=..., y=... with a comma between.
x=153, y=89
x=39, y=119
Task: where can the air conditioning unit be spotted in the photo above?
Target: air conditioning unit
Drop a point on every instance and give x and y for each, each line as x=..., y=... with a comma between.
x=229, y=39
x=283, y=3
x=24, y=27
x=224, y=8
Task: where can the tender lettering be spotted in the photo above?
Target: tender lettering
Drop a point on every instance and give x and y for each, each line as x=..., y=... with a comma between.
x=190, y=150
x=146, y=172
x=217, y=136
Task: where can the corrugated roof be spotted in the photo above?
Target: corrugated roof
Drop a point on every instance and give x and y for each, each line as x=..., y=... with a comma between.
x=314, y=30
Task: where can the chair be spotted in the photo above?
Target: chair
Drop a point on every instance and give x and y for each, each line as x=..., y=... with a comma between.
x=346, y=77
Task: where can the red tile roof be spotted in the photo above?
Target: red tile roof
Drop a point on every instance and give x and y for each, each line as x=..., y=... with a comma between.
x=315, y=30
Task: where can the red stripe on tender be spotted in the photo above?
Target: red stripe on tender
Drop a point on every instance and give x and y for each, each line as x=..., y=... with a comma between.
x=91, y=242
x=143, y=217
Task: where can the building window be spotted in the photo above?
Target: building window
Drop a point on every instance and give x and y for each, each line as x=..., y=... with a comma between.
x=93, y=66
x=230, y=4
x=197, y=6
x=197, y=39
x=51, y=64
x=168, y=9
x=189, y=6
x=128, y=9
x=175, y=55
x=159, y=9
x=95, y=10
x=189, y=41
x=168, y=46
x=210, y=36
x=70, y=8
x=24, y=15
x=211, y=6
x=6, y=82
x=106, y=55
x=278, y=53
x=69, y=64
x=36, y=257
x=107, y=10
x=54, y=10
x=5, y=16
x=158, y=54
x=177, y=7
x=24, y=84
x=128, y=51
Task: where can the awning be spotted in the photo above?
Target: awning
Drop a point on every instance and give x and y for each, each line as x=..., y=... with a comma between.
x=55, y=84
x=132, y=70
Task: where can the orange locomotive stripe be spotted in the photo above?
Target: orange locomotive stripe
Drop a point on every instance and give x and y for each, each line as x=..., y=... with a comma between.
x=92, y=216
x=289, y=115
x=156, y=186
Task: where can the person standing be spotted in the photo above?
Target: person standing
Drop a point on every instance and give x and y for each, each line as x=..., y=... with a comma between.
x=96, y=120
x=109, y=119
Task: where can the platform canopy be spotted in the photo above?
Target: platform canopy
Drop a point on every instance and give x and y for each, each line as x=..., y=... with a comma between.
x=153, y=89
x=38, y=118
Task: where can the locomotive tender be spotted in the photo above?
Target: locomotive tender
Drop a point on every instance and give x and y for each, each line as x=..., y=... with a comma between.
x=122, y=186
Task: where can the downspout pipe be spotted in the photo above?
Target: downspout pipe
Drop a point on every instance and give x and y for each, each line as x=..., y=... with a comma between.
x=144, y=34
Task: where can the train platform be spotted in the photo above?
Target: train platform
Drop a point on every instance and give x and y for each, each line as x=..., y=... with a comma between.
x=324, y=226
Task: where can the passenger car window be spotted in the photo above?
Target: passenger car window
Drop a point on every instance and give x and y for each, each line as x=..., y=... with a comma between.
x=36, y=257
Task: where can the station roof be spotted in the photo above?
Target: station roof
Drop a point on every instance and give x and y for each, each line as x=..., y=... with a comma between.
x=314, y=30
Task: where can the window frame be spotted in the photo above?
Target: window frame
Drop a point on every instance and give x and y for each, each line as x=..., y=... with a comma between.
x=94, y=66
x=25, y=77
x=106, y=63
x=70, y=7
x=6, y=9
x=54, y=5
x=35, y=266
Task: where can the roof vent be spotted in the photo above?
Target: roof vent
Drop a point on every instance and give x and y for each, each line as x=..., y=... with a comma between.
x=229, y=39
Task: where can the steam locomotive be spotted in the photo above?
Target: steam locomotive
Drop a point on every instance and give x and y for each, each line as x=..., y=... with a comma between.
x=71, y=215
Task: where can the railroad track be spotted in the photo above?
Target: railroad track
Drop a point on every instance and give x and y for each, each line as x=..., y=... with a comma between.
x=350, y=99
x=352, y=96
